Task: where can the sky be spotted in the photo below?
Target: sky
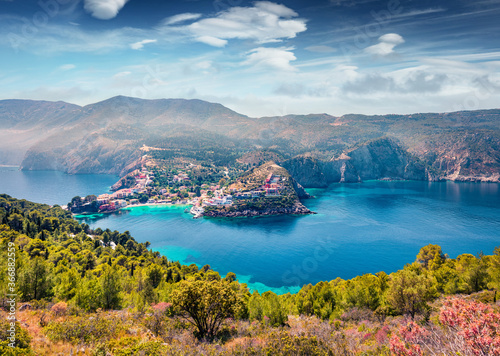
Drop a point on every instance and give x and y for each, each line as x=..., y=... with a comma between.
x=259, y=58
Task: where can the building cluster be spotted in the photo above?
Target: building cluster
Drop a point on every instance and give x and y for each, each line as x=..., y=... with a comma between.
x=210, y=195
x=180, y=177
x=219, y=200
x=273, y=186
x=116, y=200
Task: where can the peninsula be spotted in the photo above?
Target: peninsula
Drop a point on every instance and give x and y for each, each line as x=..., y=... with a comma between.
x=264, y=190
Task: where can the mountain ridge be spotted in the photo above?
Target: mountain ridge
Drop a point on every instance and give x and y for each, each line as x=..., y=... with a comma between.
x=105, y=137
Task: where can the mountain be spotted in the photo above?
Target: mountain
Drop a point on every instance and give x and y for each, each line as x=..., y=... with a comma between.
x=107, y=137
x=23, y=123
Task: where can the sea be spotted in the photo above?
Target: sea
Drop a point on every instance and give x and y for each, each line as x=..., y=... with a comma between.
x=359, y=228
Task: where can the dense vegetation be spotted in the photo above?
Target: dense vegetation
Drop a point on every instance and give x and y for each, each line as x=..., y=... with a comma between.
x=105, y=293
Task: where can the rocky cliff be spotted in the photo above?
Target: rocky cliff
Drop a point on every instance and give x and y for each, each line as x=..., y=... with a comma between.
x=377, y=159
x=295, y=209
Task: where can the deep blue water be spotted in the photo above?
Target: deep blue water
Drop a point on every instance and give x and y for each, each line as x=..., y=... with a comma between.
x=51, y=187
x=359, y=228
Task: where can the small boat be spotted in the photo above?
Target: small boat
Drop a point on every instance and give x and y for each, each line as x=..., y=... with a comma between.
x=197, y=211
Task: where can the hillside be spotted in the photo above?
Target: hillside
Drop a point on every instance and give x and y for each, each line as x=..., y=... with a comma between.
x=264, y=190
x=99, y=292
x=105, y=138
x=23, y=123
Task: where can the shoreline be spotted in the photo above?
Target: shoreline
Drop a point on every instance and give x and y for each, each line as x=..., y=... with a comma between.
x=130, y=207
x=152, y=204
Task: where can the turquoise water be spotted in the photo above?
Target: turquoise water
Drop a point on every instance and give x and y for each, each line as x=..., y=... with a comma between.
x=359, y=228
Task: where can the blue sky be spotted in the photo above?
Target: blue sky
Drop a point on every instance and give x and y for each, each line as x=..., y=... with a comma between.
x=260, y=58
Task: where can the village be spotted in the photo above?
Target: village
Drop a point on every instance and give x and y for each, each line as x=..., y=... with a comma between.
x=178, y=189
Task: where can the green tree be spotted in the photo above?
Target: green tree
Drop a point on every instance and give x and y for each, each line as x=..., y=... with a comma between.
x=76, y=202
x=88, y=293
x=206, y=304
x=110, y=288
x=473, y=272
x=494, y=269
x=154, y=275
x=67, y=283
x=230, y=277
x=37, y=247
x=410, y=289
x=431, y=256
x=34, y=281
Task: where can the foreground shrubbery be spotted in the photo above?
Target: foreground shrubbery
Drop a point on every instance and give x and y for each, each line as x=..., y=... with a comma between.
x=457, y=326
x=104, y=291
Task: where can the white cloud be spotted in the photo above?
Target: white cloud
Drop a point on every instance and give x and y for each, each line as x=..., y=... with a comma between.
x=274, y=58
x=320, y=49
x=121, y=74
x=104, y=9
x=140, y=44
x=264, y=22
x=204, y=65
x=56, y=38
x=212, y=41
x=277, y=9
x=386, y=45
x=66, y=67
x=180, y=18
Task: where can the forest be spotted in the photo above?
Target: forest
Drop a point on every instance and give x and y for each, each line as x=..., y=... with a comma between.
x=100, y=292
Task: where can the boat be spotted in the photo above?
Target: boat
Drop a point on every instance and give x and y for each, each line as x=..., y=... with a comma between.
x=197, y=211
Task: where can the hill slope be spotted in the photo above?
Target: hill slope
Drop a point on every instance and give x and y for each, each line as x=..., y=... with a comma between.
x=105, y=138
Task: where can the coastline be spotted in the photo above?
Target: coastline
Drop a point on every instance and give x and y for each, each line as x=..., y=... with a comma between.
x=296, y=209
x=128, y=207
x=152, y=204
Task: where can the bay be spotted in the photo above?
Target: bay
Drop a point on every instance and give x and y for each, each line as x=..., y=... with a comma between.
x=359, y=228
x=52, y=187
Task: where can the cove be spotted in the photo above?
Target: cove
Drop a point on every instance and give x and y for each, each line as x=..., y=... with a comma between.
x=359, y=228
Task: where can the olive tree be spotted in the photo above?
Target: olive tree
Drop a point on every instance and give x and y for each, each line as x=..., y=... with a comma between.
x=410, y=289
x=206, y=304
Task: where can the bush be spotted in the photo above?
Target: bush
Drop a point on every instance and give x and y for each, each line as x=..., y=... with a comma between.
x=467, y=328
x=283, y=344
x=22, y=340
x=206, y=304
x=83, y=329
x=59, y=309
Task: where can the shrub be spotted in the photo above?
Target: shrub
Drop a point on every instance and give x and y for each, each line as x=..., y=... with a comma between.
x=468, y=328
x=206, y=304
x=22, y=339
x=82, y=329
x=476, y=322
x=59, y=309
x=357, y=314
x=283, y=344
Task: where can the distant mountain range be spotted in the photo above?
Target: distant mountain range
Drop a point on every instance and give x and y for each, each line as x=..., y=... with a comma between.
x=317, y=149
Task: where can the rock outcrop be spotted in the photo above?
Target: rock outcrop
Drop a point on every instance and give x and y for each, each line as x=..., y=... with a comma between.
x=296, y=209
x=377, y=159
